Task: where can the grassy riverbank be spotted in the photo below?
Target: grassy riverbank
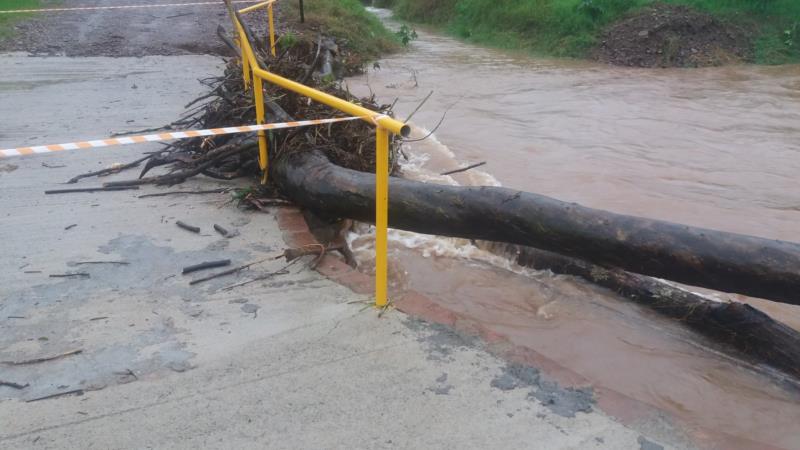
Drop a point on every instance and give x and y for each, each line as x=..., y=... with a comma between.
x=574, y=27
x=347, y=20
x=7, y=20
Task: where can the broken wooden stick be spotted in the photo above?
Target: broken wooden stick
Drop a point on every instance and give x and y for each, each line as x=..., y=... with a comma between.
x=43, y=359
x=227, y=272
x=280, y=271
x=221, y=230
x=124, y=263
x=95, y=189
x=188, y=227
x=464, y=169
x=11, y=384
x=206, y=265
x=57, y=394
x=110, y=170
x=164, y=194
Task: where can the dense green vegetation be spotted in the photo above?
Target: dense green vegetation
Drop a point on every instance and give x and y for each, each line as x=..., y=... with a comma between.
x=7, y=20
x=347, y=19
x=572, y=27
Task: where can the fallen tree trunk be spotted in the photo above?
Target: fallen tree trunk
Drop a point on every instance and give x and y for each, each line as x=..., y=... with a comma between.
x=739, y=325
x=717, y=260
x=314, y=182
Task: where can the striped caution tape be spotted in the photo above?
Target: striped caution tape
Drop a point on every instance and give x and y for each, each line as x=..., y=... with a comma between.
x=94, y=8
x=165, y=136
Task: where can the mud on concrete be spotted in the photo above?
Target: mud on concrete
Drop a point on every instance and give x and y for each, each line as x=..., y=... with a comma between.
x=441, y=342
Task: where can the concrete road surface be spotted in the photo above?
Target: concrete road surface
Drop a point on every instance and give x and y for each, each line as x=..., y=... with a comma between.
x=148, y=361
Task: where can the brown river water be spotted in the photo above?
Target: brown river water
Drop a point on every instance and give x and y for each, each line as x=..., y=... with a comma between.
x=717, y=148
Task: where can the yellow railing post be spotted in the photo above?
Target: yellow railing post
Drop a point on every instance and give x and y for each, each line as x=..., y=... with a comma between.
x=381, y=213
x=258, y=99
x=245, y=64
x=384, y=125
x=271, y=29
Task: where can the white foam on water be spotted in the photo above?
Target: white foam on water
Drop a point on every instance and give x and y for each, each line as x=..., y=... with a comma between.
x=361, y=241
x=419, y=153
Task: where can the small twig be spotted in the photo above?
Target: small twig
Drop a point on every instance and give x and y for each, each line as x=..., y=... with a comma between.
x=206, y=265
x=52, y=166
x=67, y=275
x=98, y=318
x=418, y=107
x=97, y=189
x=463, y=169
x=441, y=120
x=429, y=134
x=46, y=358
x=280, y=271
x=68, y=227
x=126, y=372
x=58, y=394
x=11, y=384
x=110, y=170
x=142, y=131
x=227, y=272
x=163, y=194
x=178, y=15
x=313, y=63
x=124, y=263
x=385, y=308
x=188, y=227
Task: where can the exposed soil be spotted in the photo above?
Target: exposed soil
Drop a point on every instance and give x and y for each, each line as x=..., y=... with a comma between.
x=179, y=30
x=673, y=36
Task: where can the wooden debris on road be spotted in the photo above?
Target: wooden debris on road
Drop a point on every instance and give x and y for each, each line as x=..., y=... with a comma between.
x=164, y=194
x=228, y=272
x=206, y=265
x=95, y=189
x=11, y=384
x=43, y=359
x=188, y=227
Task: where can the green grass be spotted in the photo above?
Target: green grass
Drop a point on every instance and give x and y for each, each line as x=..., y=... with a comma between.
x=363, y=33
x=571, y=27
x=7, y=20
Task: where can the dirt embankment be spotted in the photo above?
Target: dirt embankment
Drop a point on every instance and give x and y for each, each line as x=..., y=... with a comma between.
x=175, y=30
x=673, y=36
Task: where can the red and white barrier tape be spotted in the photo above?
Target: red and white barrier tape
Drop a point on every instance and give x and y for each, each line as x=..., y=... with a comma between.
x=127, y=140
x=95, y=8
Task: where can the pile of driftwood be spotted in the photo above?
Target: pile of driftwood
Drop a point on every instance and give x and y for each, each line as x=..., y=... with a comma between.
x=330, y=171
x=228, y=103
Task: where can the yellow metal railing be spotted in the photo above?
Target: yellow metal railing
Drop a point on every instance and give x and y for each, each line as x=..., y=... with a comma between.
x=255, y=75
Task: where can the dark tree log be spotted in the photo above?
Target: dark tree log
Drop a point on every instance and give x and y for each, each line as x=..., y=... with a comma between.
x=717, y=260
x=738, y=325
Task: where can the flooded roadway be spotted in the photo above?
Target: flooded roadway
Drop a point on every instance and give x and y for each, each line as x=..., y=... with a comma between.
x=716, y=148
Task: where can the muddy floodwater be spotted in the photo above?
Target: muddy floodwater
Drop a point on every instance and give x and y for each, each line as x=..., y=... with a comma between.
x=717, y=148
